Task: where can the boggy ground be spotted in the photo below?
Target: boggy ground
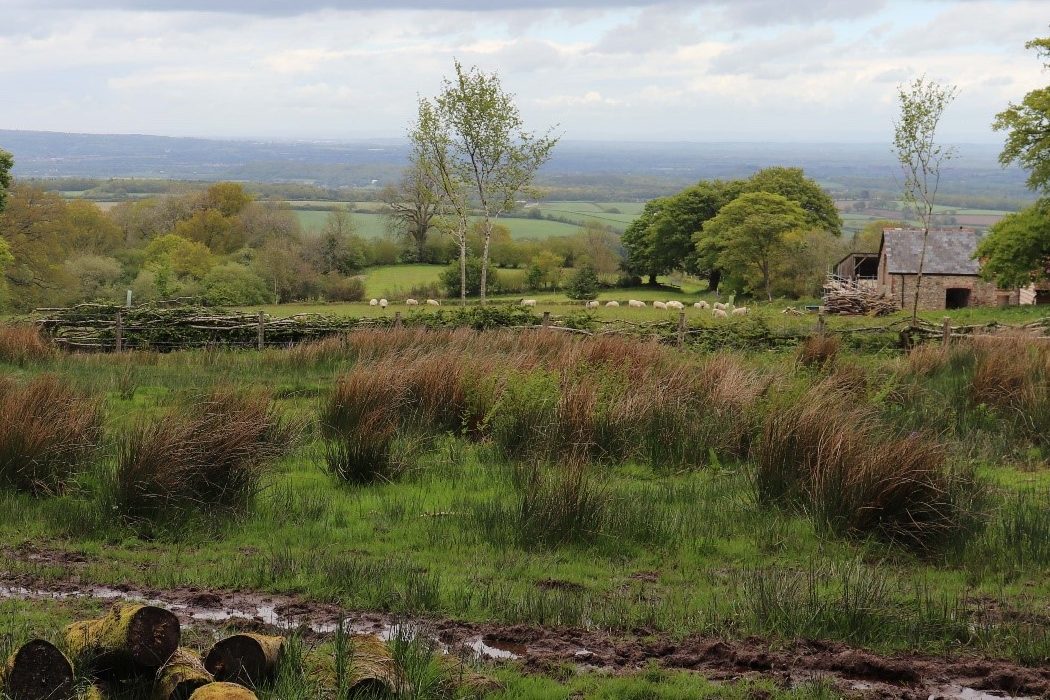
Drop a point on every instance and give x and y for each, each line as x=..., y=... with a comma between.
x=535, y=649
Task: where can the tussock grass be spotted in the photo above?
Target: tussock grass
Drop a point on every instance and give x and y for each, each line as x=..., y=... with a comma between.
x=49, y=432
x=207, y=457
x=22, y=344
x=819, y=350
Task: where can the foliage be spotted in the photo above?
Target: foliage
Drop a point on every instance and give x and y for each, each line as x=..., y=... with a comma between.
x=793, y=184
x=219, y=233
x=32, y=227
x=1028, y=127
x=95, y=276
x=749, y=236
x=179, y=256
x=869, y=238
x=231, y=284
x=1016, y=252
x=584, y=283
x=451, y=280
x=412, y=206
x=7, y=162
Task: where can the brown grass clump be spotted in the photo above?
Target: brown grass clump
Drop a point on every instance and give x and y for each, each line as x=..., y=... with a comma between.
x=836, y=460
x=1012, y=375
x=210, y=455
x=49, y=432
x=819, y=350
x=21, y=344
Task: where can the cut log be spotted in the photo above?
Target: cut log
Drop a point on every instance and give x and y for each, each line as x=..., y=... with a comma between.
x=369, y=669
x=181, y=675
x=223, y=691
x=462, y=677
x=129, y=638
x=244, y=658
x=92, y=692
x=37, y=670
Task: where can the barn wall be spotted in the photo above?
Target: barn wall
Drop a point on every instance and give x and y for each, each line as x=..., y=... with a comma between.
x=934, y=287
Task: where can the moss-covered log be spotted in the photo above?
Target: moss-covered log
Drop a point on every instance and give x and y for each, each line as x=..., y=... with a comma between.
x=368, y=668
x=461, y=677
x=244, y=658
x=181, y=675
x=37, y=671
x=92, y=692
x=223, y=691
x=130, y=637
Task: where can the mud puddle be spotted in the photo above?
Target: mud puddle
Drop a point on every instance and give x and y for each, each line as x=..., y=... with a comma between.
x=541, y=649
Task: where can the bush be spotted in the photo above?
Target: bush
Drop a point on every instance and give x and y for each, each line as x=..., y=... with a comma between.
x=450, y=278
x=340, y=288
x=20, y=345
x=233, y=285
x=209, y=457
x=49, y=432
x=583, y=284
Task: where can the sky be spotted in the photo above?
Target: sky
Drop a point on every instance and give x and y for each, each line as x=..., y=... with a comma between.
x=640, y=70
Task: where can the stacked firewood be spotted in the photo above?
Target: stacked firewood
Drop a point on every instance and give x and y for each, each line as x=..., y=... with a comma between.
x=842, y=296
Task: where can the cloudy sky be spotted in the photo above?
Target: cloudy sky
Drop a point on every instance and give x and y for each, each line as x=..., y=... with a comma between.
x=705, y=70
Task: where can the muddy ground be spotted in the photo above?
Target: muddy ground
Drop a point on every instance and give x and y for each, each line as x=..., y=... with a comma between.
x=856, y=672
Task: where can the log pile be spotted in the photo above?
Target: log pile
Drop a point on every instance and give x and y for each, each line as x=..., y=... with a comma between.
x=846, y=297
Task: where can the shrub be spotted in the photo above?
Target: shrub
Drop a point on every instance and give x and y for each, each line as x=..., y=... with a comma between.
x=340, y=288
x=450, y=278
x=22, y=344
x=233, y=284
x=583, y=284
x=48, y=433
x=210, y=456
x=819, y=350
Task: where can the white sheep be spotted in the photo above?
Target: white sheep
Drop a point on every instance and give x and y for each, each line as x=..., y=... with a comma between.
x=592, y=304
x=659, y=305
x=433, y=302
x=720, y=313
x=528, y=302
x=700, y=305
x=635, y=304
x=612, y=304
x=675, y=305
x=411, y=302
x=740, y=311
x=373, y=302
x=383, y=303
x=719, y=306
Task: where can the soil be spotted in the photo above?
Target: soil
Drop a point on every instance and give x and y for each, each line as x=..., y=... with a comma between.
x=856, y=672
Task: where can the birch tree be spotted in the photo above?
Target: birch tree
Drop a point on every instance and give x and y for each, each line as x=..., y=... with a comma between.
x=922, y=104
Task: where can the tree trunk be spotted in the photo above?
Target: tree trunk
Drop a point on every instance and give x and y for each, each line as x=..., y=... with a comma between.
x=37, y=671
x=130, y=637
x=245, y=658
x=652, y=279
x=714, y=277
x=367, y=669
x=485, y=259
x=918, y=277
x=463, y=269
x=181, y=675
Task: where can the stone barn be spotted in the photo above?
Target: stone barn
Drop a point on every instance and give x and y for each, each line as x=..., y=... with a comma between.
x=950, y=278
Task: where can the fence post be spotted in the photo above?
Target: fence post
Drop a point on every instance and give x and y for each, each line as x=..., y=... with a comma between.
x=681, y=328
x=260, y=332
x=546, y=319
x=119, y=333
x=946, y=332
x=397, y=319
x=821, y=323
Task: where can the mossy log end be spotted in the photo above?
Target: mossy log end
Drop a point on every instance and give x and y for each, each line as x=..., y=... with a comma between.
x=244, y=658
x=181, y=676
x=462, y=677
x=369, y=668
x=92, y=692
x=223, y=691
x=142, y=636
x=37, y=671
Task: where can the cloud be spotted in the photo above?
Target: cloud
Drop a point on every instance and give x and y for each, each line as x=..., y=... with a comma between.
x=589, y=98
x=297, y=7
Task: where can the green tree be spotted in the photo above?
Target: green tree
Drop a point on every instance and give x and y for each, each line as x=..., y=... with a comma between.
x=212, y=228
x=339, y=248
x=7, y=161
x=749, y=236
x=90, y=231
x=869, y=238
x=487, y=147
x=450, y=277
x=33, y=227
x=584, y=283
x=6, y=259
x=793, y=184
x=96, y=277
x=228, y=198
x=232, y=284
x=1028, y=129
x=1016, y=252
x=179, y=256
x=922, y=104
x=638, y=244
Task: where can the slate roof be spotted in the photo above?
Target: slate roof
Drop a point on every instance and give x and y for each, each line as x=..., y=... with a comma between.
x=948, y=251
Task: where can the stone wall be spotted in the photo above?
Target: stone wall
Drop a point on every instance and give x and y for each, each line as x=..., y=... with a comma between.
x=901, y=288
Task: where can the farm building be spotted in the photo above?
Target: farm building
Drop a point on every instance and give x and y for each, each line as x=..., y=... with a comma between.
x=950, y=278
x=862, y=268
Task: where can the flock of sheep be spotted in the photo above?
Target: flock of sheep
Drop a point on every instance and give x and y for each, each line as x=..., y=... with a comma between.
x=718, y=309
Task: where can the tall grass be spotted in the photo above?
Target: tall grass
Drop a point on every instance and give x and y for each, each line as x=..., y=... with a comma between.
x=819, y=350
x=22, y=344
x=207, y=457
x=49, y=432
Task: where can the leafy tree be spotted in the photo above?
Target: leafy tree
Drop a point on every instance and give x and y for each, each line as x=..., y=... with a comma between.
x=179, y=256
x=1028, y=127
x=339, y=248
x=487, y=147
x=90, y=230
x=600, y=247
x=869, y=238
x=450, y=277
x=263, y=221
x=212, y=228
x=584, y=283
x=802, y=269
x=232, y=284
x=228, y=198
x=1016, y=252
x=6, y=259
x=547, y=266
x=7, y=161
x=748, y=237
x=95, y=276
x=922, y=105
x=32, y=225
x=793, y=184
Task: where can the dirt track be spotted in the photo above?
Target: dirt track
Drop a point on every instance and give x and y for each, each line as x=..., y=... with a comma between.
x=856, y=672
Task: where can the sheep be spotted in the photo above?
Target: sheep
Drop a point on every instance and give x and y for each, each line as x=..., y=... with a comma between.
x=719, y=313
x=740, y=311
x=592, y=304
x=411, y=302
x=700, y=305
x=635, y=304
x=659, y=305
x=612, y=303
x=433, y=302
x=373, y=302
x=719, y=306
x=528, y=302
x=383, y=303
x=675, y=305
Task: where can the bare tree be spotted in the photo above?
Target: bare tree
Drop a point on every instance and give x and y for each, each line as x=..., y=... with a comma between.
x=922, y=105
x=411, y=206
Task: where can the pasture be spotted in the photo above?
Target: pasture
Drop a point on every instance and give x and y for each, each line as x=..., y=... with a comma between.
x=586, y=515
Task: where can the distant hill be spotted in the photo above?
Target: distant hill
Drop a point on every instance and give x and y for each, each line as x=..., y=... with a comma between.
x=658, y=165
